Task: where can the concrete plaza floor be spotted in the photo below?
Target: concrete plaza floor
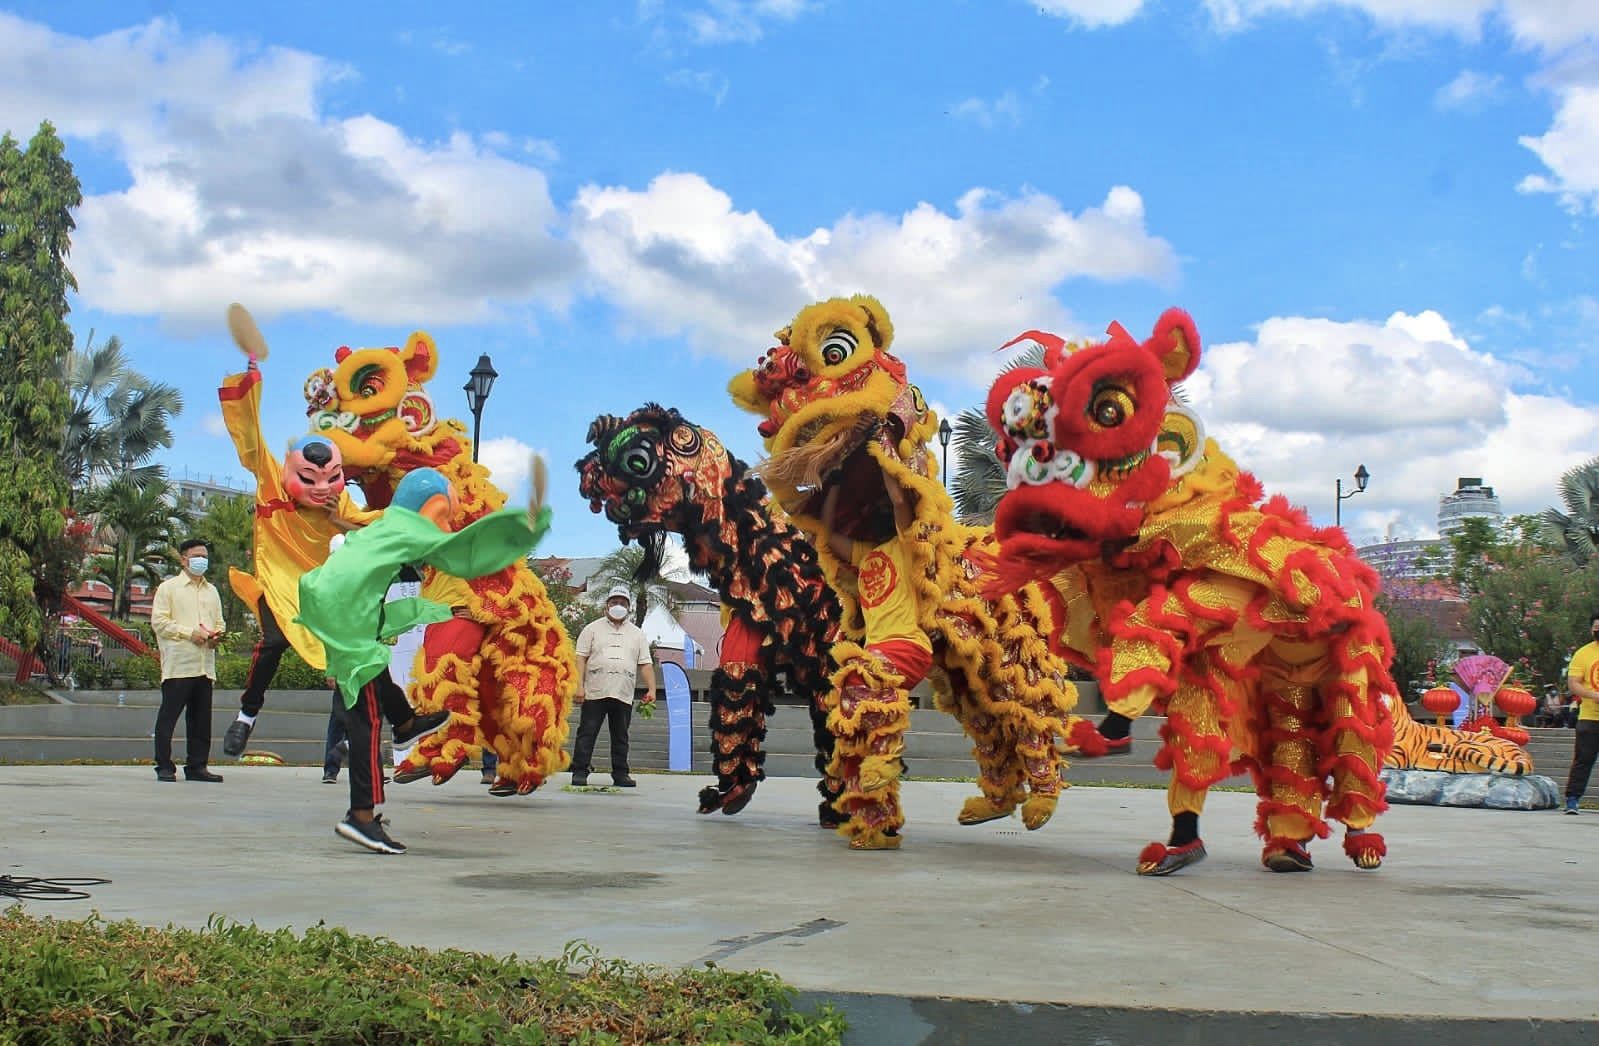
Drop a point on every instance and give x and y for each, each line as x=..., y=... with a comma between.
x=1477, y=913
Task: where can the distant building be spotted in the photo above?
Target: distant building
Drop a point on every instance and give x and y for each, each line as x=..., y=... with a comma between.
x=198, y=494
x=1421, y=560
x=1471, y=500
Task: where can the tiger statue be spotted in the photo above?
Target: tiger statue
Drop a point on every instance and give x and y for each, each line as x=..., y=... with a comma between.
x=503, y=666
x=1251, y=629
x=846, y=433
x=655, y=473
x=1423, y=746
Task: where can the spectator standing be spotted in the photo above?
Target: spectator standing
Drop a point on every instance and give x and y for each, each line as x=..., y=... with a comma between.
x=610, y=653
x=186, y=614
x=1582, y=676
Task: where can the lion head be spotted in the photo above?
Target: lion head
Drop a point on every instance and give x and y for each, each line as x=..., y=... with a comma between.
x=1089, y=440
x=837, y=407
x=648, y=468
x=372, y=403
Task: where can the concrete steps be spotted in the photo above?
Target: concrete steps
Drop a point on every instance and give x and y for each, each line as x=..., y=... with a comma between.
x=293, y=724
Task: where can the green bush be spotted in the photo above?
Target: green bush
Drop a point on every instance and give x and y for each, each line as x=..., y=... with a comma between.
x=99, y=982
x=142, y=672
x=88, y=673
x=292, y=674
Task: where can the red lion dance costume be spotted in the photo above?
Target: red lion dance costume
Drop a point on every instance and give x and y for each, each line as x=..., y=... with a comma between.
x=1251, y=629
x=502, y=665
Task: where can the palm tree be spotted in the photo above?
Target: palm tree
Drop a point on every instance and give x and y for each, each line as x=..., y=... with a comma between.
x=228, y=529
x=1576, y=530
x=978, y=481
x=119, y=419
x=140, y=525
x=641, y=572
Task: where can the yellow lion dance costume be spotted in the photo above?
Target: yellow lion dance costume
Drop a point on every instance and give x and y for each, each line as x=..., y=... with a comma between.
x=840, y=416
x=502, y=666
x=1253, y=630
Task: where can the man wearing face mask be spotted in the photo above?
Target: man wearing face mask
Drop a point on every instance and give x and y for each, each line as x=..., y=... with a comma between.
x=610, y=651
x=1583, y=678
x=186, y=614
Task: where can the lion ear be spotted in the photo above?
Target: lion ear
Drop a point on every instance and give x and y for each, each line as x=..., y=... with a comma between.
x=745, y=394
x=421, y=357
x=877, y=321
x=1176, y=344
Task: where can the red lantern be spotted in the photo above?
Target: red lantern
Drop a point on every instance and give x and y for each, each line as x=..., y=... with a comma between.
x=1515, y=702
x=1440, y=701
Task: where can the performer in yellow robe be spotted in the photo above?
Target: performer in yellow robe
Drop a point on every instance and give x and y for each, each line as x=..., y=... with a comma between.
x=299, y=506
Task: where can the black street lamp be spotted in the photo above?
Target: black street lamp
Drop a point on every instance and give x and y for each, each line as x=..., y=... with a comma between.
x=478, y=387
x=943, y=441
x=1361, y=476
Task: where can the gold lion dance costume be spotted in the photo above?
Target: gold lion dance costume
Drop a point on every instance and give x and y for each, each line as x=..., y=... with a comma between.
x=502, y=665
x=1253, y=630
x=840, y=415
x=653, y=473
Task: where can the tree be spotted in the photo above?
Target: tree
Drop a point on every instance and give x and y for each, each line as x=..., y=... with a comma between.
x=38, y=191
x=1532, y=608
x=228, y=529
x=641, y=572
x=119, y=419
x=557, y=578
x=978, y=480
x=1576, y=530
x=142, y=525
x=1418, y=643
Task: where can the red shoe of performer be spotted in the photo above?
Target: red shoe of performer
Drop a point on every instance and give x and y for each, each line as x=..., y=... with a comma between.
x=1160, y=859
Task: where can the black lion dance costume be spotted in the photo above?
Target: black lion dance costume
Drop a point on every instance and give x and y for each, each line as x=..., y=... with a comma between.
x=654, y=473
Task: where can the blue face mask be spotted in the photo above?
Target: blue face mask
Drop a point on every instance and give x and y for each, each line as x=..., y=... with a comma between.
x=198, y=564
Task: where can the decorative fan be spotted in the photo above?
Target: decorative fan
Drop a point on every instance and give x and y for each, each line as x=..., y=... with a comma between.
x=1482, y=674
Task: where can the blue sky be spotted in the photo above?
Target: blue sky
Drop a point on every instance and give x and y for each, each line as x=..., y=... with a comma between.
x=1381, y=213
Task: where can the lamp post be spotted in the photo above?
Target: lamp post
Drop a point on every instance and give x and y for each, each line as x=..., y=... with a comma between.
x=1361, y=477
x=478, y=386
x=943, y=441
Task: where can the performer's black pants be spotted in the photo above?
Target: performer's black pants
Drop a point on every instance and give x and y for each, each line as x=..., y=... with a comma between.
x=382, y=698
x=263, y=660
x=595, y=712
x=1583, y=758
x=191, y=698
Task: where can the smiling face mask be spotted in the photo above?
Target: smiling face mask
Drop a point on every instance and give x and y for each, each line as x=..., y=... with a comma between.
x=313, y=472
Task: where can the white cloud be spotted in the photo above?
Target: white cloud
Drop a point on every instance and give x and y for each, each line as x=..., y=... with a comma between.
x=214, y=425
x=240, y=187
x=1540, y=23
x=1006, y=109
x=677, y=258
x=1310, y=399
x=712, y=85
x=1092, y=14
x=1468, y=90
x=1570, y=150
x=509, y=461
x=729, y=21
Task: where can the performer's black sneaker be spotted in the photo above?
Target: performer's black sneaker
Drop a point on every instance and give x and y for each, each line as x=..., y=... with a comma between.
x=202, y=774
x=625, y=781
x=420, y=724
x=580, y=780
x=369, y=834
x=237, y=736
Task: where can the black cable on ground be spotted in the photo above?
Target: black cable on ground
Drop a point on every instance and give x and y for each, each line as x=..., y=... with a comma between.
x=29, y=888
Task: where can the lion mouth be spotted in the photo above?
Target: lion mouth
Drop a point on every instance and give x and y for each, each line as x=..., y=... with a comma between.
x=1052, y=526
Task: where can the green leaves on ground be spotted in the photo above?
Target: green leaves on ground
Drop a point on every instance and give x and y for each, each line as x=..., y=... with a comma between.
x=99, y=982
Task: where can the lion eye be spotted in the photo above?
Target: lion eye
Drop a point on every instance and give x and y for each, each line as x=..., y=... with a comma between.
x=1110, y=407
x=839, y=346
x=638, y=461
